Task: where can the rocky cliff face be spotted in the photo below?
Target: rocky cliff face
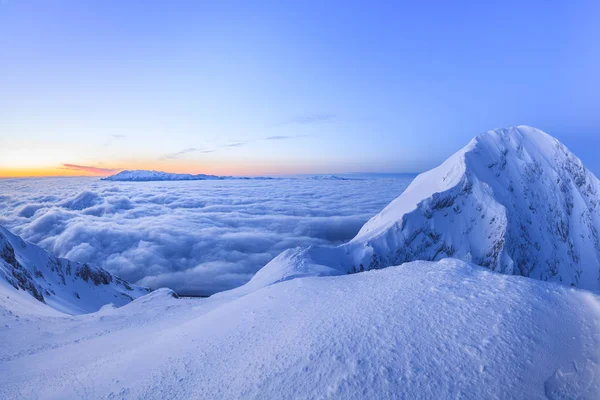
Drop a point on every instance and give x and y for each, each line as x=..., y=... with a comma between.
x=514, y=200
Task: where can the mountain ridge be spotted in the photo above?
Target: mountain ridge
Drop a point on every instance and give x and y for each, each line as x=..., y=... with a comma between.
x=513, y=200
x=142, y=175
x=67, y=286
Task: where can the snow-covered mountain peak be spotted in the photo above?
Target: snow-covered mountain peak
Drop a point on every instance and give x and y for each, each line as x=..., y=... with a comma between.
x=514, y=200
x=480, y=154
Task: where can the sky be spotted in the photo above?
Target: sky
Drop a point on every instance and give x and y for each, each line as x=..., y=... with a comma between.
x=250, y=88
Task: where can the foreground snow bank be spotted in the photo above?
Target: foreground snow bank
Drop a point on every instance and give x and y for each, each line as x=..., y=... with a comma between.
x=439, y=330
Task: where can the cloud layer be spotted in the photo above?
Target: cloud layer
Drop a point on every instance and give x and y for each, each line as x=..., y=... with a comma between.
x=197, y=237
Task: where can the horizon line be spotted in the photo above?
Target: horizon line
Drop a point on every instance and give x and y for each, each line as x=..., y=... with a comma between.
x=226, y=175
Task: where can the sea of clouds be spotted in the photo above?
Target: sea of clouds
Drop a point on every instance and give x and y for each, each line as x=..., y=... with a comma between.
x=196, y=237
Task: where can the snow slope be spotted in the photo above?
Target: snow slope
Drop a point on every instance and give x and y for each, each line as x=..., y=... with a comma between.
x=423, y=330
x=28, y=272
x=514, y=200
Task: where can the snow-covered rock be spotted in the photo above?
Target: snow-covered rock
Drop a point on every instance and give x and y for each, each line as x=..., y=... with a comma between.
x=71, y=287
x=514, y=200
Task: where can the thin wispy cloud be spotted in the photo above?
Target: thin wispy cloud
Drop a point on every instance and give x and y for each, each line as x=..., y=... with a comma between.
x=110, y=141
x=284, y=137
x=302, y=120
x=176, y=155
x=236, y=144
x=183, y=152
x=180, y=153
x=89, y=169
x=310, y=119
x=280, y=137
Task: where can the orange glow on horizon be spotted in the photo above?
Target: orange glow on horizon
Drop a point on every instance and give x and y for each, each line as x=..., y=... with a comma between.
x=216, y=168
x=41, y=172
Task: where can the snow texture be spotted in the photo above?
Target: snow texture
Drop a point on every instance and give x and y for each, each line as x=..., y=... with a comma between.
x=423, y=330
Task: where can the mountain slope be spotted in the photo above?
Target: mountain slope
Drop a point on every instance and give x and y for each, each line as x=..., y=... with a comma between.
x=514, y=200
x=64, y=285
x=423, y=330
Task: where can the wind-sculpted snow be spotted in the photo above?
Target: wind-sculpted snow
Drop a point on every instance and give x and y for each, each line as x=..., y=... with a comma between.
x=196, y=237
x=423, y=330
x=67, y=286
x=513, y=200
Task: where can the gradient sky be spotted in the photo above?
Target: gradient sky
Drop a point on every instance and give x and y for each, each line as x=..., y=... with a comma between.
x=287, y=87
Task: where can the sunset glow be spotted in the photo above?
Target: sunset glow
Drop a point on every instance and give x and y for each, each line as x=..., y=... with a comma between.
x=299, y=199
x=356, y=92
x=182, y=168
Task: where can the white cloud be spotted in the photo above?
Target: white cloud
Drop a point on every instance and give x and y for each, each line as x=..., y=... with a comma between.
x=196, y=237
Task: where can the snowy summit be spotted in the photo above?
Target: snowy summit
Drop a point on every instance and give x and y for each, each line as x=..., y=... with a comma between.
x=514, y=200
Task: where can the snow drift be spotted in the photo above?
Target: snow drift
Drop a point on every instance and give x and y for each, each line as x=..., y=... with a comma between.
x=423, y=330
x=514, y=200
x=67, y=286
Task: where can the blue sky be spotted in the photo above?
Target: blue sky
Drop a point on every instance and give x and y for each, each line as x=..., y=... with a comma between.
x=292, y=87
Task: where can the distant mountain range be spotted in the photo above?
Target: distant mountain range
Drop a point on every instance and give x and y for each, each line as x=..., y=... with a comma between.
x=145, y=176
x=149, y=176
